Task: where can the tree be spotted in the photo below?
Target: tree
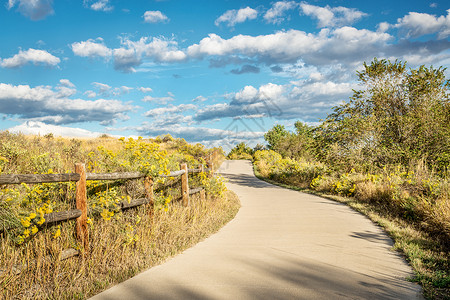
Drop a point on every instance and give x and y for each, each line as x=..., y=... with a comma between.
x=400, y=116
x=274, y=135
x=240, y=151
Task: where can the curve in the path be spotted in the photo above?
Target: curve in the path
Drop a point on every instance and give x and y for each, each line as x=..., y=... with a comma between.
x=282, y=244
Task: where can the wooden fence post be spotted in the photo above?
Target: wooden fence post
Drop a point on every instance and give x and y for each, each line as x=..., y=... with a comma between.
x=148, y=185
x=81, y=202
x=185, y=184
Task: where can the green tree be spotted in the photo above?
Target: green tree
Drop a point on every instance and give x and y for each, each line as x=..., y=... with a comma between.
x=240, y=151
x=401, y=115
x=274, y=135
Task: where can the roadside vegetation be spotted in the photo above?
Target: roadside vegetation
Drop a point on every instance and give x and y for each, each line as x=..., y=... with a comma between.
x=385, y=152
x=122, y=243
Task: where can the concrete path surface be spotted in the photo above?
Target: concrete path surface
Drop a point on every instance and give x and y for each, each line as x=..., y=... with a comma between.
x=282, y=244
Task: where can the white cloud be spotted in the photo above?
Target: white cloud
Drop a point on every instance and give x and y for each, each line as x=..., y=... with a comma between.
x=280, y=46
x=107, y=90
x=42, y=103
x=155, y=17
x=102, y=87
x=232, y=17
x=90, y=94
x=66, y=83
x=308, y=100
x=418, y=24
x=383, y=27
x=276, y=13
x=346, y=44
x=157, y=49
x=40, y=128
x=91, y=48
x=332, y=16
x=199, y=99
x=35, y=56
x=145, y=89
x=171, y=109
x=100, y=5
x=158, y=100
x=126, y=59
x=125, y=89
x=33, y=9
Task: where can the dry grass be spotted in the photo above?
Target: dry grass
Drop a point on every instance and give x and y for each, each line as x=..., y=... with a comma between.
x=111, y=259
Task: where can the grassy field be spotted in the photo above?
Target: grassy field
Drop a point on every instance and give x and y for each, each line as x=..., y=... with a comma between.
x=122, y=244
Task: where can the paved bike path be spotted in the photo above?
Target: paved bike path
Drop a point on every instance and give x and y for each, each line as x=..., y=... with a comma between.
x=282, y=244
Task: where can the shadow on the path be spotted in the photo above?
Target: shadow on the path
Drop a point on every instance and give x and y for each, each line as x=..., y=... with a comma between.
x=246, y=180
x=373, y=237
x=283, y=277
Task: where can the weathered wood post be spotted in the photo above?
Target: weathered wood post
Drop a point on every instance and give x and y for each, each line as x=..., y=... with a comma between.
x=185, y=184
x=81, y=202
x=148, y=186
x=202, y=192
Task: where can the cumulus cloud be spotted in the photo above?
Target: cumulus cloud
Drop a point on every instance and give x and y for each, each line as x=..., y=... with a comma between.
x=103, y=88
x=145, y=89
x=50, y=105
x=106, y=90
x=155, y=17
x=419, y=24
x=332, y=16
x=98, y=5
x=160, y=50
x=171, y=109
x=199, y=99
x=232, y=17
x=159, y=100
x=90, y=94
x=283, y=45
x=304, y=99
x=275, y=14
x=341, y=44
x=66, y=83
x=247, y=102
x=33, y=9
x=35, y=56
x=91, y=48
x=40, y=128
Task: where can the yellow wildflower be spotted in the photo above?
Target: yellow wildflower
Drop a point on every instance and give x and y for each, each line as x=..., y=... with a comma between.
x=57, y=233
x=34, y=230
x=25, y=222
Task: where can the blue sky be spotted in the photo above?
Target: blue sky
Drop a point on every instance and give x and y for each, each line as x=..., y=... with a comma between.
x=215, y=72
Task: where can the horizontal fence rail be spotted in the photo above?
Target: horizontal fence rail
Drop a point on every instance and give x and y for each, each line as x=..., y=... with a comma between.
x=59, y=216
x=173, y=174
x=114, y=176
x=38, y=178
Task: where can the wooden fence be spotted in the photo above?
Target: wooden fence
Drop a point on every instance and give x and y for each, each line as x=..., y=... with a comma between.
x=80, y=177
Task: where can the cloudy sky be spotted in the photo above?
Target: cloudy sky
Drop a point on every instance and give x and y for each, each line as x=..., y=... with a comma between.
x=216, y=72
